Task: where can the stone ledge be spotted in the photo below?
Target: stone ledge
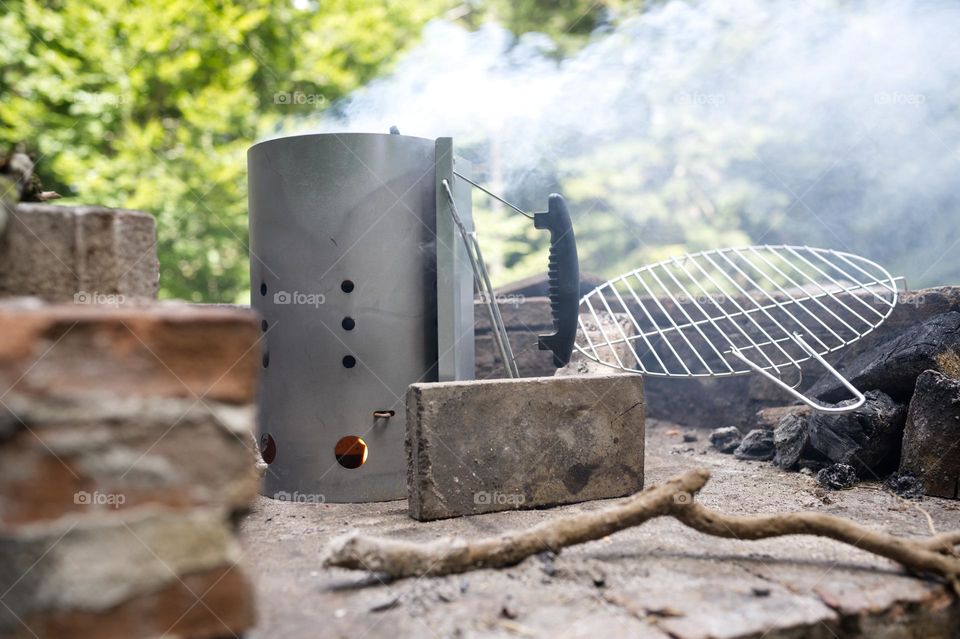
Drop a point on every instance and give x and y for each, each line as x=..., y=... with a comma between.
x=178, y=454
x=660, y=580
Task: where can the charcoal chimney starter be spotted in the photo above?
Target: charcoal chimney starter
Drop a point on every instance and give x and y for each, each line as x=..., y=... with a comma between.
x=364, y=287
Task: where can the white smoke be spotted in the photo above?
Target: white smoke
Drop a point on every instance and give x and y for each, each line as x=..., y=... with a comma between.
x=825, y=122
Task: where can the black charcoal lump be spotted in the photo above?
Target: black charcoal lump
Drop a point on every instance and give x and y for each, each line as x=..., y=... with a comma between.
x=893, y=366
x=837, y=477
x=905, y=485
x=868, y=438
x=931, y=440
x=791, y=439
x=726, y=439
x=756, y=446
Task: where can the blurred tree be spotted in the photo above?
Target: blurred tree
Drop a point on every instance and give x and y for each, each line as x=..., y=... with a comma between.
x=151, y=104
x=718, y=141
x=568, y=23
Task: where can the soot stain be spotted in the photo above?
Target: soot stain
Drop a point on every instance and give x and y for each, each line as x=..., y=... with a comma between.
x=577, y=476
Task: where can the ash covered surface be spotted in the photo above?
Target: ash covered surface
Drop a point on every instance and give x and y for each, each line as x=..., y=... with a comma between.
x=658, y=580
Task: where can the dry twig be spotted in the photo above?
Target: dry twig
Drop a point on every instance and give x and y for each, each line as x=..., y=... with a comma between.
x=674, y=498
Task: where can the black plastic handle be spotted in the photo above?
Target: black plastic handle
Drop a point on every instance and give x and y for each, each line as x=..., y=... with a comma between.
x=563, y=277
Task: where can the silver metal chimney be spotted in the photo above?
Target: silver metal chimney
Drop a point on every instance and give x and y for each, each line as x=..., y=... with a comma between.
x=364, y=287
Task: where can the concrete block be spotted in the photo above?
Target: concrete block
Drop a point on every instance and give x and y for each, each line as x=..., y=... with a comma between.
x=527, y=318
x=485, y=446
x=538, y=285
x=531, y=361
x=521, y=314
x=87, y=254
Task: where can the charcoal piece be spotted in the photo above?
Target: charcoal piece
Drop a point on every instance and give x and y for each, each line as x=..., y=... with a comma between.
x=756, y=446
x=867, y=438
x=930, y=449
x=837, y=477
x=790, y=439
x=906, y=485
x=894, y=365
x=726, y=439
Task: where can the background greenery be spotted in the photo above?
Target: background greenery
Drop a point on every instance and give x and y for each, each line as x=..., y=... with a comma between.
x=151, y=104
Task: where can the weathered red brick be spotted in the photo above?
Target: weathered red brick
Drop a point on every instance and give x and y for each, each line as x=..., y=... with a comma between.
x=151, y=407
x=225, y=609
x=68, y=351
x=173, y=453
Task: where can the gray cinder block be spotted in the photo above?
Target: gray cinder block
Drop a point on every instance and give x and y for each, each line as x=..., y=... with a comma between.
x=484, y=446
x=85, y=254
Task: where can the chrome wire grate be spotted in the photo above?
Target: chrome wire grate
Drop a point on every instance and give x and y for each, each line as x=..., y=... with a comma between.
x=732, y=311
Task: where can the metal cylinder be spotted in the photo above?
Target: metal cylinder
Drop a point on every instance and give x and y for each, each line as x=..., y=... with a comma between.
x=343, y=272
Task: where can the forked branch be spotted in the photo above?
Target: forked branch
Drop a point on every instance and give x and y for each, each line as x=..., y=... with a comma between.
x=674, y=498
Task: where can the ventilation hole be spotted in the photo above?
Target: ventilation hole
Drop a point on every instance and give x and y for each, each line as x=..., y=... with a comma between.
x=349, y=361
x=346, y=286
x=266, y=360
x=264, y=326
x=268, y=448
x=348, y=324
x=263, y=288
x=350, y=451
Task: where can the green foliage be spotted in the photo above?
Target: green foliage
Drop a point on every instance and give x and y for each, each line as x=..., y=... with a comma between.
x=569, y=23
x=151, y=104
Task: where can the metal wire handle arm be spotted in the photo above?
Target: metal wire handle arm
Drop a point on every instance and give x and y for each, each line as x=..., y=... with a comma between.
x=482, y=280
x=860, y=399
